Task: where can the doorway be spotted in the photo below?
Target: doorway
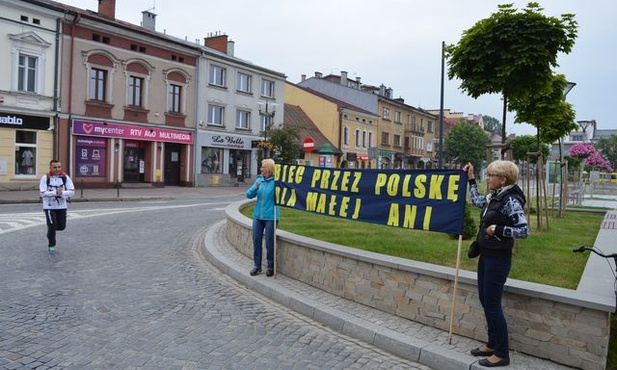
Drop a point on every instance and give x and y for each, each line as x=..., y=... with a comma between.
x=133, y=162
x=172, y=164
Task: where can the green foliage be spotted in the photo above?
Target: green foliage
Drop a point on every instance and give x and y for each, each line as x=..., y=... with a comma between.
x=470, y=229
x=492, y=124
x=547, y=110
x=286, y=140
x=511, y=52
x=521, y=145
x=466, y=142
x=607, y=146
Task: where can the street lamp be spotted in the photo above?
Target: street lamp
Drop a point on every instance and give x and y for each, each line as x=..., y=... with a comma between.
x=267, y=111
x=584, y=125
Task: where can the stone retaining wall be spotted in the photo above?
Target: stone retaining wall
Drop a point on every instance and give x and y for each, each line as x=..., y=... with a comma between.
x=562, y=325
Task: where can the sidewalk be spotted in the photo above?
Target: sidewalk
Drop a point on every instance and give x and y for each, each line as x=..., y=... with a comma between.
x=128, y=194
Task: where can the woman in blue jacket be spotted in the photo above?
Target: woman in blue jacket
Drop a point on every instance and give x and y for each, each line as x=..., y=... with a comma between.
x=266, y=211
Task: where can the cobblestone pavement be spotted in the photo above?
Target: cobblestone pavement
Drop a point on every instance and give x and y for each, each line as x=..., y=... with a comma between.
x=130, y=290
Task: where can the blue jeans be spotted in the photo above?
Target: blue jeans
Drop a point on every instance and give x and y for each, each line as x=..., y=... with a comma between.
x=259, y=226
x=492, y=275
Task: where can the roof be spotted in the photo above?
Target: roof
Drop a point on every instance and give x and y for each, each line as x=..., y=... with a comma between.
x=295, y=117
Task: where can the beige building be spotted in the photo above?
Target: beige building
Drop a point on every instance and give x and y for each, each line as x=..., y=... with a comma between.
x=351, y=129
x=402, y=137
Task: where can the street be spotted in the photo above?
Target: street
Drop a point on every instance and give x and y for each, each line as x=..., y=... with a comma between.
x=130, y=289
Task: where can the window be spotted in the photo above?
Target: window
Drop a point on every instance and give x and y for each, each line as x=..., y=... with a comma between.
x=397, y=140
x=267, y=88
x=385, y=138
x=264, y=121
x=25, y=152
x=429, y=126
x=98, y=79
x=175, y=97
x=346, y=136
x=243, y=119
x=211, y=160
x=216, y=115
x=386, y=113
x=364, y=139
x=27, y=73
x=244, y=83
x=135, y=91
x=397, y=117
x=357, y=138
x=217, y=76
x=370, y=139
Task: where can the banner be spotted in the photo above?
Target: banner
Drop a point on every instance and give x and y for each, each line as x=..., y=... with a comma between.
x=432, y=200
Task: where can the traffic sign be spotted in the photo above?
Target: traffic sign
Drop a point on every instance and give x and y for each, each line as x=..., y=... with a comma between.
x=309, y=144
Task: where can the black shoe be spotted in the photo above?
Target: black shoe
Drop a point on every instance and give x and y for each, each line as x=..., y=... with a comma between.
x=255, y=271
x=269, y=272
x=478, y=353
x=485, y=362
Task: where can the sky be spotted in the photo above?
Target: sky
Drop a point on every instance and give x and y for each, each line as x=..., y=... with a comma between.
x=392, y=42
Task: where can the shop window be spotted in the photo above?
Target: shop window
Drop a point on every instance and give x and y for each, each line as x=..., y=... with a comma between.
x=25, y=152
x=211, y=159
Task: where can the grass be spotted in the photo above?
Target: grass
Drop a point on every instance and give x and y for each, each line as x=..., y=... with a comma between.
x=545, y=257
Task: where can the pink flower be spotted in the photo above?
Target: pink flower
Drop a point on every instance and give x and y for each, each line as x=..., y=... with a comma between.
x=582, y=150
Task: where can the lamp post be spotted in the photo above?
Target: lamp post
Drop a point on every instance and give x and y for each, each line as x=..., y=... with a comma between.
x=566, y=90
x=267, y=111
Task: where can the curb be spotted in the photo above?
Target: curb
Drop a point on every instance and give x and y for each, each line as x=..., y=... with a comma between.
x=410, y=348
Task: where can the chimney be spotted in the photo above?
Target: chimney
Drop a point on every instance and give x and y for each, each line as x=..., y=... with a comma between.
x=302, y=77
x=217, y=41
x=107, y=8
x=148, y=20
x=358, y=80
x=318, y=74
x=230, y=48
x=344, y=78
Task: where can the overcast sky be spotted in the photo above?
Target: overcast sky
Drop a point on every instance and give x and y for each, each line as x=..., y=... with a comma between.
x=392, y=42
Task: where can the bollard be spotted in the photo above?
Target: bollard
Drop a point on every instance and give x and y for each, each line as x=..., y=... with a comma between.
x=81, y=189
x=118, y=189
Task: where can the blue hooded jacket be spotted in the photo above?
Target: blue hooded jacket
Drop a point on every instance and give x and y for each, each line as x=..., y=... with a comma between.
x=264, y=207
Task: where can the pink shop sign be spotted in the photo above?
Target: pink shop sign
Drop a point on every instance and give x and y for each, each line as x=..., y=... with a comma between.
x=131, y=132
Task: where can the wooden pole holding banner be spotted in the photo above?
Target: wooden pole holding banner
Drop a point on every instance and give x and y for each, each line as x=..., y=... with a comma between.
x=458, y=264
x=275, y=236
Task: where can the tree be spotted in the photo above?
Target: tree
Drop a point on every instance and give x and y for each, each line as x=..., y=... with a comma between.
x=492, y=124
x=511, y=53
x=547, y=110
x=521, y=145
x=608, y=147
x=466, y=142
x=286, y=142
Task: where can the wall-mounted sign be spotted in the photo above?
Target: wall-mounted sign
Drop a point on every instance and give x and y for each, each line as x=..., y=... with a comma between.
x=131, y=132
x=21, y=121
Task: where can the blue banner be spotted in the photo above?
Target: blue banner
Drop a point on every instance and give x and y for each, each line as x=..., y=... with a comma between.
x=432, y=200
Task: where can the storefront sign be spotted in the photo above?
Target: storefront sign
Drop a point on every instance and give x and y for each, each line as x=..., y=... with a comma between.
x=227, y=141
x=90, y=156
x=131, y=132
x=21, y=121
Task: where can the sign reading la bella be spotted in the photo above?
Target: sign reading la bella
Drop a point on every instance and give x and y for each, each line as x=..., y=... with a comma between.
x=131, y=132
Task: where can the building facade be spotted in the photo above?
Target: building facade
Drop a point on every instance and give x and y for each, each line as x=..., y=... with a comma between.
x=128, y=97
x=28, y=91
x=236, y=101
